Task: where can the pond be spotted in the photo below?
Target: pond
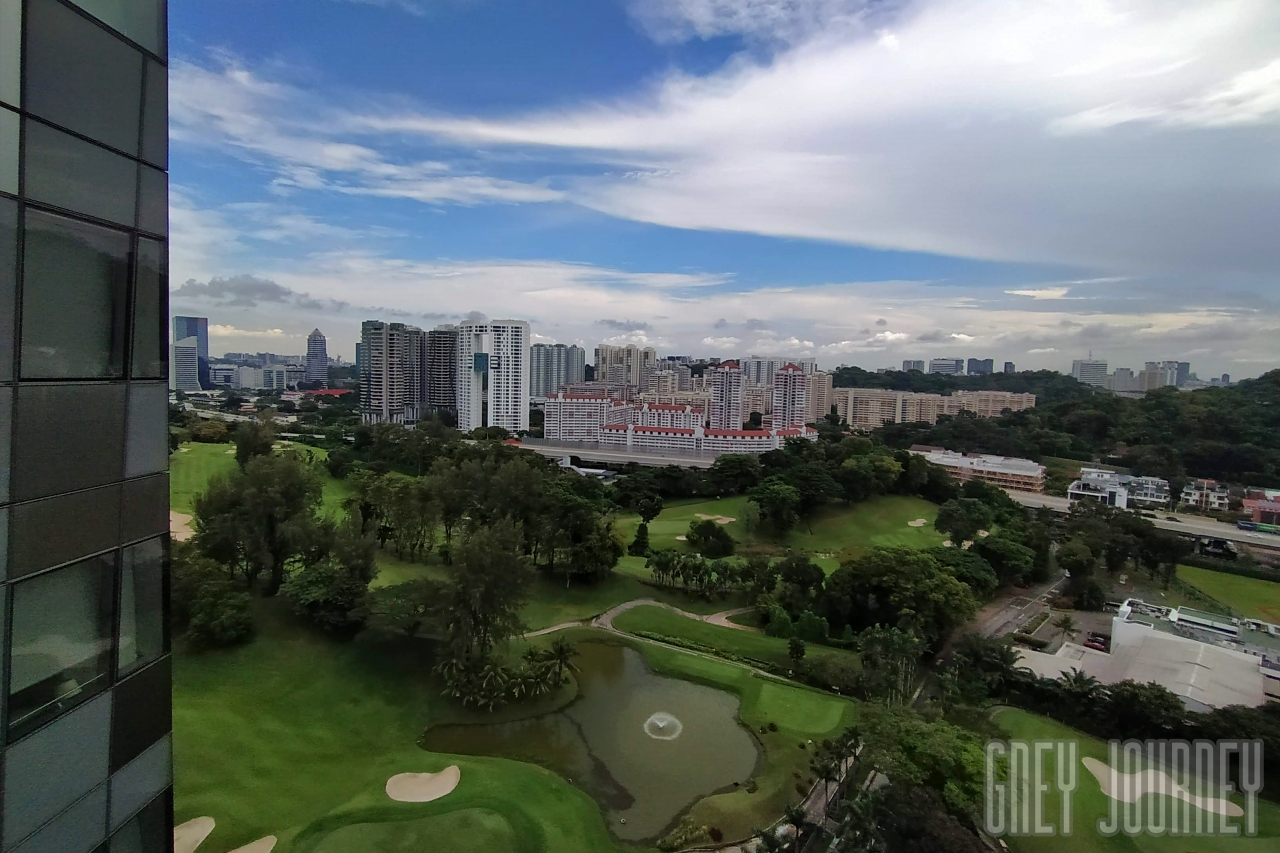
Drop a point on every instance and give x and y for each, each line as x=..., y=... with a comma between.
x=644, y=746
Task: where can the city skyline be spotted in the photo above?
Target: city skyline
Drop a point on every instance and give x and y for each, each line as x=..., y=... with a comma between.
x=634, y=173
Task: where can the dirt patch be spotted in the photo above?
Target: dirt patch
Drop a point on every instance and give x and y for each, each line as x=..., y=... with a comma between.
x=423, y=787
x=718, y=519
x=262, y=845
x=919, y=522
x=190, y=835
x=983, y=534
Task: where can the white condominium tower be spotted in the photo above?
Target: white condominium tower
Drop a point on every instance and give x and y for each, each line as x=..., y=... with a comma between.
x=493, y=375
x=759, y=371
x=1088, y=371
x=624, y=365
x=317, y=358
x=552, y=366
x=790, y=397
x=726, y=396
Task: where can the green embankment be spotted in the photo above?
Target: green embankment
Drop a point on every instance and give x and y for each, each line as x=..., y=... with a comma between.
x=193, y=465
x=1252, y=597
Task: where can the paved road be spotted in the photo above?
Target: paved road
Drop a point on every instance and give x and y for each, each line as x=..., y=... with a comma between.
x=1188, y=525
x=605, y=620
x=619, y=456
x=1003, y=615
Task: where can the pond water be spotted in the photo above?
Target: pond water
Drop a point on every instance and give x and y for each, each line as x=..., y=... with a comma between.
x=644, y=746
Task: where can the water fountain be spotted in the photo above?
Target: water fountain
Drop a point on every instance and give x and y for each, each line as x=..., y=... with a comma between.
x=663, y=726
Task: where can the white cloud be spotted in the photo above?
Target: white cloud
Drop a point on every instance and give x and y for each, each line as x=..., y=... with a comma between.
x=720, y=343
x=771, y=20
x=217, y=330
x=1039, y=350
x=951, y=142
x=1042, y=293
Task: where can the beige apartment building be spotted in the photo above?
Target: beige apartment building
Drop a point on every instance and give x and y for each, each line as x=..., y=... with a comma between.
x=868, y=408
x=1007, y=472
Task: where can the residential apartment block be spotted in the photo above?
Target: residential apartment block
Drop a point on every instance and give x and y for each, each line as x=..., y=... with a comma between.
x=790, y=407
x=442, y=369
x=760, y=371
x=820, y=396
x=553, y=366
x=868, y=408
x=699, y=441
x=391, y=376
x=85, y=712
x=1007, y=472
x=624, y=364
x=1208, y=495
x=726, y=410
x=493, y=375
x=1123, y=491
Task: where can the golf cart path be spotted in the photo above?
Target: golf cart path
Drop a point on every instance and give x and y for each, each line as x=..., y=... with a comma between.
x=605, y=620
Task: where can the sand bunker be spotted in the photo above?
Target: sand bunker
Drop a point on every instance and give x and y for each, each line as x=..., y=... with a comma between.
x=983, y=534
x=231, y=452
x=188, y=836
x=180, y=526
x=919, y=522
x=262, y=845
x=1129, y=788
x=682, y=538
x=718, y=519
x=184, y=449
x=423, y=787
x=946, y=543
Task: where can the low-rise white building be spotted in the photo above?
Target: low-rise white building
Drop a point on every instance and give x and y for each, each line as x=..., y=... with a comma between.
x=1007, y=472
x=1122, y=491
x=1207, y=495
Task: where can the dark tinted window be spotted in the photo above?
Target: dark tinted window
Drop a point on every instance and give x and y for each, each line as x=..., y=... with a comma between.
x=61, y=641
x=79, y=176
x=8, y=283
x=146, y=507
x=40, y=536
x=151, y=287
x=75, y=285
x=153, y=201
x=155, y=116
x=68, y=437
x=141, y=605
x=9, y=126
x=81, y=76
x=142, y=714
x=147, y=832
x=140, y=20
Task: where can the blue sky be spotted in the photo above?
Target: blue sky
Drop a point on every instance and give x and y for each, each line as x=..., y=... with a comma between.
x=858, y=180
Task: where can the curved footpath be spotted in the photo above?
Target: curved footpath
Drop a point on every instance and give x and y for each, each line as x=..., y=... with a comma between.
x=605, y=620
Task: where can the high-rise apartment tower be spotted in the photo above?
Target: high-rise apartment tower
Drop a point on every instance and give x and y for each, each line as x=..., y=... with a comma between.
x=493, y=375
x=317, y=358
x=726, y=411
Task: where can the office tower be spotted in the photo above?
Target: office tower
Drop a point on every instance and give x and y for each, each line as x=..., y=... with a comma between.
x=198, y=328
x=726, y=396
x=84, y=484
x=951, y=366
x=442, y=368
x=385, y=392
x=819, y=394
x=980, y=366
x=184, y=365
x=759, y=371
x=1090, y=372
x=1158, y=374
x=317, y=359
x=1183, y=373
x=623, y=364
x=909, y=365
x=552, y=366
x=790, y=397
x=1009, y=367
x=493, y=375
x=1226, y=379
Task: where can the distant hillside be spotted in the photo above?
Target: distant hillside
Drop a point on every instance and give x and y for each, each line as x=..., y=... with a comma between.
x=1230, y=434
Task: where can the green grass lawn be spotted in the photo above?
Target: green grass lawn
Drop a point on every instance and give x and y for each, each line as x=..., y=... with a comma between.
x=1252, y=597
x=1091, y=805
x=837, y=530
x=295, y=735
x=747, y=644
x=193, y=465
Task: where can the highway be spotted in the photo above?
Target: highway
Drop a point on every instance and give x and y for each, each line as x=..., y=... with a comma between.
x=1187, y=525
x=619, y=456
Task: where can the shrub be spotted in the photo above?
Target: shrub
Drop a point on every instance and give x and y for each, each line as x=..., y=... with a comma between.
x=209, y=432
x=639, y=546
x=220, y=616
x=709, y=538
x=1032, y=641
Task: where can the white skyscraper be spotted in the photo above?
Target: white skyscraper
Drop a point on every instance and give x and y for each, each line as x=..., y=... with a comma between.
x=493, y=375
x=726, y=396
x=184, y=365
x=1090, y=372
x=790, y=397
x=317, y=358
x=759, y=371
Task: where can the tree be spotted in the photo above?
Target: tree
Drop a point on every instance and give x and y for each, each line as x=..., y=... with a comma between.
x=968, y=567
x=1083, y=693
x=253, y=438
x=1065, y=626
x=815, y=486
x=802, y=581
x=962, y=518
x=709, y=538
x=648, y=506
x=734, y=473
x=1143, y=710
x=489, y=583
x=900, y=587
x=1011, y=561
x=889, y=657
x=560, y=657
x=209, y=432
x=330, y=591
x=812, y=627
x=779, y=503
x=220, y=616
x=795, y=650
x=338, y=463
x=916, y=819
x=639, y=546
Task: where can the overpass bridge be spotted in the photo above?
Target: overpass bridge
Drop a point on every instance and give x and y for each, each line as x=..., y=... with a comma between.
x=1186, y=525
x=589, y=452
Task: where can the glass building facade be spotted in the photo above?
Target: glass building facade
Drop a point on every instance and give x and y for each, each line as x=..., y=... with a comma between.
x=85, y=753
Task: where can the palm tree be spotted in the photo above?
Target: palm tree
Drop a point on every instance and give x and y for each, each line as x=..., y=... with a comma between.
x=560, y=656
x=1082, y=690
x=1066, y=626
x=796, y=815
x=828, y=771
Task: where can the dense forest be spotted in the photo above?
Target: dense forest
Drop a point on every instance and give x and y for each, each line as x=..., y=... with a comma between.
x=1229, y=434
